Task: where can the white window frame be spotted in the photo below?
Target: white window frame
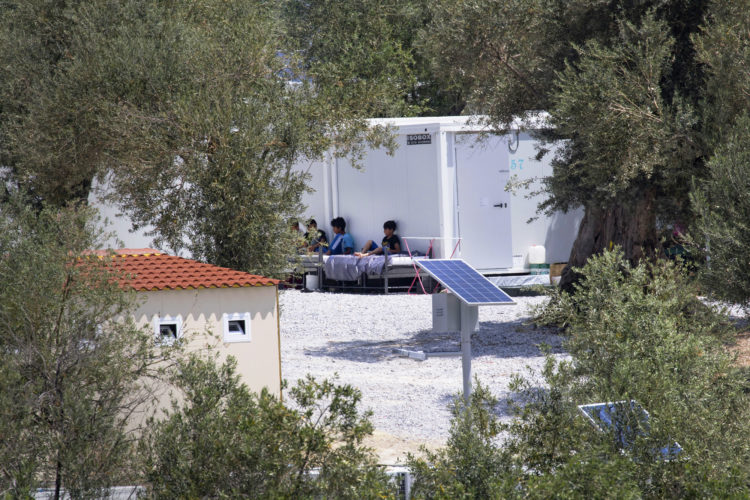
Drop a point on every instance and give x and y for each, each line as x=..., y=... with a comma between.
x=237, y=337
x=158, y=321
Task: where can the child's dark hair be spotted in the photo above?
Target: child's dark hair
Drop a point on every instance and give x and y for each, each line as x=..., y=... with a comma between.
x=311, y=222
x=389, y=224
x=339, y=222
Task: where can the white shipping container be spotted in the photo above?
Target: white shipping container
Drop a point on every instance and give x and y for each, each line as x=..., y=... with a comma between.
x=444, y=184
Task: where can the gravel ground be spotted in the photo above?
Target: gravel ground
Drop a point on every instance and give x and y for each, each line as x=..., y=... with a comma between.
x=354, y=337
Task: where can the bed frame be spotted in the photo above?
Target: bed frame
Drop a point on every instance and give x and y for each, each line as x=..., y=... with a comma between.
x=397, y=267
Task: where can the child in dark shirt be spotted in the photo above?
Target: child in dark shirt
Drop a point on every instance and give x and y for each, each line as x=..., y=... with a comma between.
x=390, y=241
x=315, y=237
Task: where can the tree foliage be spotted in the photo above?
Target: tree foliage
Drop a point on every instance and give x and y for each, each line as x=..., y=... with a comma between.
x=720, y=198
x=55, y=129
x=723, y=224
x=224, y=184
x=641, y=333
x=368, y=52
x=723, y=50
x=622, y=84
x=192, y=112
x=600, y=98
x=71, y=372
x=634, y=332
x=223, y=441
x=496, y=54
x=354, y=52
x=470, y=465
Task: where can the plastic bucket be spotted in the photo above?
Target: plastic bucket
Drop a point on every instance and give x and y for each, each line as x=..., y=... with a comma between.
x=311, y=281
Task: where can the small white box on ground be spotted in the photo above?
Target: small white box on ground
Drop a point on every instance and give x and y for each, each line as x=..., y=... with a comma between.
x=311, y=281
x=446, y=313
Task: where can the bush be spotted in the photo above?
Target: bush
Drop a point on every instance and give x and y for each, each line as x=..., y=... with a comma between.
x=468, y=466
x=722, y=228
x=641, y=333
x=633, y=333
x=224, y=441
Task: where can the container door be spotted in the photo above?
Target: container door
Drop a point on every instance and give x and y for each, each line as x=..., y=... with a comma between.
x=483, y=205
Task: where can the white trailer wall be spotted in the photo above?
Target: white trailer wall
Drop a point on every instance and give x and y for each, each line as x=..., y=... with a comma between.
x=558, y=232
x=118, y=226
x=318, y=201
x=402, y=187
x=418, y=188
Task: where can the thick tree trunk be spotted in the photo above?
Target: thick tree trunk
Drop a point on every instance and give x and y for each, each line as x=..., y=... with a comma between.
x=630, y=224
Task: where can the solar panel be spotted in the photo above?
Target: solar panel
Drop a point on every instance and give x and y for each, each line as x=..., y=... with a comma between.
x=626, y=420
x=465, y=282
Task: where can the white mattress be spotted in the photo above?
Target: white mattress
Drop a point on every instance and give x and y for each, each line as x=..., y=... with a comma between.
x=519, y=281
x=393, y=261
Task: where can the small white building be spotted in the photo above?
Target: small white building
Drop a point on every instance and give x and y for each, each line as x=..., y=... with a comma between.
x=233, y=312
x=446, y=183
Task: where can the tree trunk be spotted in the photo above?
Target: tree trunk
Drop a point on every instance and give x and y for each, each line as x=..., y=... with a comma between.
x=630, y=224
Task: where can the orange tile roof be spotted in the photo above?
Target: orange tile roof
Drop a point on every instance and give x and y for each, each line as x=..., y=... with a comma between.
x=150, y=269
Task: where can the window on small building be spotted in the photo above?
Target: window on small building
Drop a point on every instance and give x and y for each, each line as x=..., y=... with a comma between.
x=237, y=327
x=167, y=329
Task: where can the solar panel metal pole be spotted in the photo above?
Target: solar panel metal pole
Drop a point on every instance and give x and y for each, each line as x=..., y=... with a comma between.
x=473, y=290
x=469, y=316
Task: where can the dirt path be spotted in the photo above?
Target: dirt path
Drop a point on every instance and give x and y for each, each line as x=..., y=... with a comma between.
x=392, y=449
x=742, y=349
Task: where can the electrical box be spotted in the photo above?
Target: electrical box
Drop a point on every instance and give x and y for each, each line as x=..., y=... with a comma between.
x=446, y=313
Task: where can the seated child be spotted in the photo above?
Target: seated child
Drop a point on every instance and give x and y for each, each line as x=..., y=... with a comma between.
x=342, y=243
x=294, y=229
x=390, y=241
x=315, y=237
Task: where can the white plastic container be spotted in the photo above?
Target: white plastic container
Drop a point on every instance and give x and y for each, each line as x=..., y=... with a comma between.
x=311, y=281
x=537, y=254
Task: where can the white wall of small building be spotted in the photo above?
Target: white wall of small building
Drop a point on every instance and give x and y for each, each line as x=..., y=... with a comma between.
x=201, y=313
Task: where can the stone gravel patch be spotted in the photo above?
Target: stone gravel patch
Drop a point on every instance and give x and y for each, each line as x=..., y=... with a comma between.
x=354, y=336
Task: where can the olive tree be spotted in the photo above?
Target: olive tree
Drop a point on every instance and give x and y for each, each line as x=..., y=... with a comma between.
x=73, y=366
x=720, y=197
x=191, y=113
x=622, y=84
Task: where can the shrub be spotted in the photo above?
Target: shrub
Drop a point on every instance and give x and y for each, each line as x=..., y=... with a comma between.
x=468, y=466
x=71, y=373
x=224, y=441
x=634, y=333
x=640, y=332
x=723, y=206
